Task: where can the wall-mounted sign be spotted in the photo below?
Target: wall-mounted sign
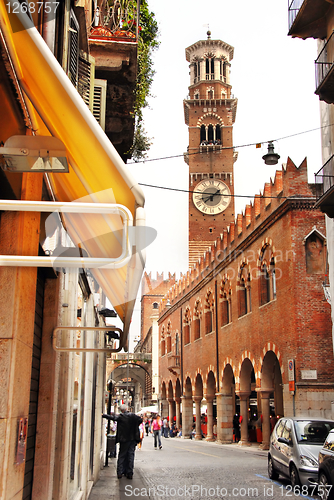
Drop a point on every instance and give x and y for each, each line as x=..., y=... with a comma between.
x=22, y=427
x=291, y=372
x=309, y=374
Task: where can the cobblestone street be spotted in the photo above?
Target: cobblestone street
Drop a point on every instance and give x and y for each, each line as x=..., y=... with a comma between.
x=197, y=470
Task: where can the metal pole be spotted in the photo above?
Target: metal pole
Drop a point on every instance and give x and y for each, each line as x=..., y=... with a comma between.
x=127, y=383
x=108, y=424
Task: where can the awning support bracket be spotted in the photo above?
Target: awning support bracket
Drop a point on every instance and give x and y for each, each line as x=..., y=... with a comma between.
x=74, y=208
x=82, y=329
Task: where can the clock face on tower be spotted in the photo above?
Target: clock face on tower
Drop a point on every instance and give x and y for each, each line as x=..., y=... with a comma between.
x=211, y=196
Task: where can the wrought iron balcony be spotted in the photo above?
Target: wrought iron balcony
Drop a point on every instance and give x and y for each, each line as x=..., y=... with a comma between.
x=307, y=18
x=294, y=8
x=324, y=180
x=118, y=21
x=324, y=72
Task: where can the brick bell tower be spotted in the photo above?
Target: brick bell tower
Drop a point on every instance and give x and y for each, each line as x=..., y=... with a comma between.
x=209, y=112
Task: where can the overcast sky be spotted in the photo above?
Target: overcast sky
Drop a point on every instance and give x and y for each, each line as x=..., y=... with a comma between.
x=272, y=76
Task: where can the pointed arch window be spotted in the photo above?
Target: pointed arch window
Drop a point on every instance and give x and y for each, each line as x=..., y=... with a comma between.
x=244, y=291
x=226, y=303
x=177, y=345
x=163, y=343
x=264, y=285
x=267, y=275
x=169, y=337
x=218, y=133
x=210, y=133
x=203, y=134
x=197, y=71
x=208, y=312
x=186, y=327
x=197, y=320
x=210, y=68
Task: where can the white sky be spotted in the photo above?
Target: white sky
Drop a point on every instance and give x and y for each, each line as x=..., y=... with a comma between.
x=272, y=76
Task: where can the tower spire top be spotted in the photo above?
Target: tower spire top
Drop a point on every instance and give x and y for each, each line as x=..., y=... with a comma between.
x=209, y=34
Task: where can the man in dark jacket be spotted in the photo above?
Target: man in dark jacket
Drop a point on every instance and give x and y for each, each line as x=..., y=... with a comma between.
x=128, y=436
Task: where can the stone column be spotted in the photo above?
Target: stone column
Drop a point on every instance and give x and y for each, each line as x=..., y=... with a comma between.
x=243, y=396
x=187, y=416
x=209, y=405
x=198, y=400
x=164, y=407
x=224, y=418
x=171, y=411
x=203, y=70
x=178, y=412
x=265, y=395
x=217, y=70
x=192, y=74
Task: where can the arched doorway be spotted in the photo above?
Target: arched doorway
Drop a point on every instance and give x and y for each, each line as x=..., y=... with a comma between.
x=198, y=403
x=271, y=391
x=244, y=393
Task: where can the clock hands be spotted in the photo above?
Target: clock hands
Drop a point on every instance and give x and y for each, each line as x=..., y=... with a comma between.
x=211, y=196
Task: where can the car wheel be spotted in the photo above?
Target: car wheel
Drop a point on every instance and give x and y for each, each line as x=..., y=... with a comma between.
x=324, y=489
x=272, y=473
x=294, y=476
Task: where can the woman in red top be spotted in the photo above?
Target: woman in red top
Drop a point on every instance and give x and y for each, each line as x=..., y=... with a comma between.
x=156, y=426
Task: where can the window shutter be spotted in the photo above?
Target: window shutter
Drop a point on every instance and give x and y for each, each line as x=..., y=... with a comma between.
x=99, y=101
x=73, y=49
x=86, y=73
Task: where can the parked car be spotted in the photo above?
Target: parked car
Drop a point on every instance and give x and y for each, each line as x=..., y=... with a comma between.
x=295, y=444
x=326, y=469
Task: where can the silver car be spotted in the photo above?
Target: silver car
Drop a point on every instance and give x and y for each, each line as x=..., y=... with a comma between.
x=294, y=448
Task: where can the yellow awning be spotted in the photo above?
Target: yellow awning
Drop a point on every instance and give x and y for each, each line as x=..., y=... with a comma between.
x=97, y=173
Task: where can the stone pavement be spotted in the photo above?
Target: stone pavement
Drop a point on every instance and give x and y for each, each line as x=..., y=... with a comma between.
x=110, y=488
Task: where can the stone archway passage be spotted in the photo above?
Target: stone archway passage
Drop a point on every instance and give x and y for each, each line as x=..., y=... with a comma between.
x=271, y=390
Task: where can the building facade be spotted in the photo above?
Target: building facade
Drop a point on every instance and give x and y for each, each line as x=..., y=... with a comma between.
x=55, y=70
x=315, y=19
x=247, y=329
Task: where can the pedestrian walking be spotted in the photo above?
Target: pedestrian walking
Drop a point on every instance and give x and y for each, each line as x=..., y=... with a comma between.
x=141, y=434
x=128, y=436
x=147, y=425
x=236, y=428
x=165, y=427
x=156, y=426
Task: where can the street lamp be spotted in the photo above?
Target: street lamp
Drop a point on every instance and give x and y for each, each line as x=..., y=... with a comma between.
x=271, y=158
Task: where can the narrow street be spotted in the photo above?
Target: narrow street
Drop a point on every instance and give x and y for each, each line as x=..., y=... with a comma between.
x=196, y=470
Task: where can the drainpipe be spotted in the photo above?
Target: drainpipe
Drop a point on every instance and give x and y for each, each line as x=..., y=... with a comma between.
x=217, y=347
x=181, y=351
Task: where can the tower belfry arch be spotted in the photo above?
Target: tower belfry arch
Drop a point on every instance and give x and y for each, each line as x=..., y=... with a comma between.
x=210, y=112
